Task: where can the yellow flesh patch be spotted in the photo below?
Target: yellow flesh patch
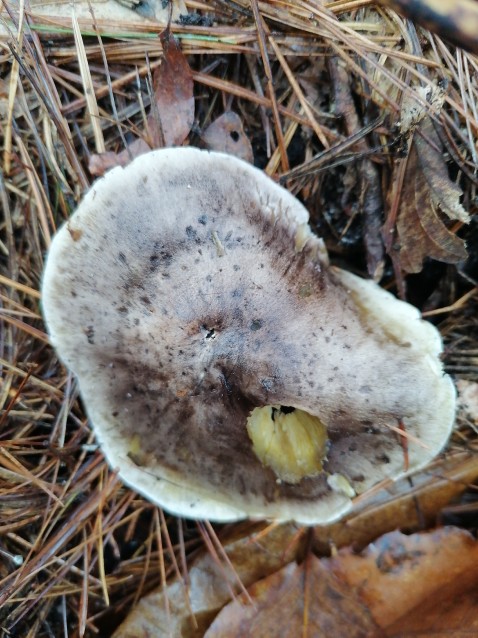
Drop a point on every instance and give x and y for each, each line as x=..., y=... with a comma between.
x=292, y=444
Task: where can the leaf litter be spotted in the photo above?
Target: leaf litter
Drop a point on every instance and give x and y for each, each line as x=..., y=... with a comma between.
x=398, y=586
x=269, y=560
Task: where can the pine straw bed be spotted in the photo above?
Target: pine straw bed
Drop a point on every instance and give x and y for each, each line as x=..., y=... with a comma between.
x=77, y=549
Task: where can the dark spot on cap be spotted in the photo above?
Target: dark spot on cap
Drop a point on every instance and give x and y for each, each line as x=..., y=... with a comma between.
x=154, y=261
x=192, y=234
x=256, y=324
x=90, y=334
x=210, y=333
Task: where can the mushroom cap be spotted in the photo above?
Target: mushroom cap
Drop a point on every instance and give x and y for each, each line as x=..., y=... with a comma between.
x=186, y=291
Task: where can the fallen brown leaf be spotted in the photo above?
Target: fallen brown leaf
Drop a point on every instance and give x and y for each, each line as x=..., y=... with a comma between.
x=172, y=114
x=443, y=192
x=226, y=135
x=167, y=612
x=427, y=188
x=400, y=585
x=453, y=614
x=370, y=190
x=172, y=110
x=299, y=600
x=399, y=576
x=257, y=551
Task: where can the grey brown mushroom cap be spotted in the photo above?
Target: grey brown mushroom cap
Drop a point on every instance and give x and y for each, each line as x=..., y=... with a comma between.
x=187, y=290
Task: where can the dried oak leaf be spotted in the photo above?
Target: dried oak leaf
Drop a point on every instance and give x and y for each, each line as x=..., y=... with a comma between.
x=427, y=188
x=399, y=586
x=172, y=111
x=298, y=600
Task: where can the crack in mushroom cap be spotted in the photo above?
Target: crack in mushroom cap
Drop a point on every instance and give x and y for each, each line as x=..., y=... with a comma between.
x=185, y=291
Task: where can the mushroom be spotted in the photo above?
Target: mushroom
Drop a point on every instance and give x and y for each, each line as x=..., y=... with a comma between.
x=227, y=369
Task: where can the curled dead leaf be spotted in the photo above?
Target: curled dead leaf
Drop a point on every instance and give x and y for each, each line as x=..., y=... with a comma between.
x=427, y=189
x=443, y=192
